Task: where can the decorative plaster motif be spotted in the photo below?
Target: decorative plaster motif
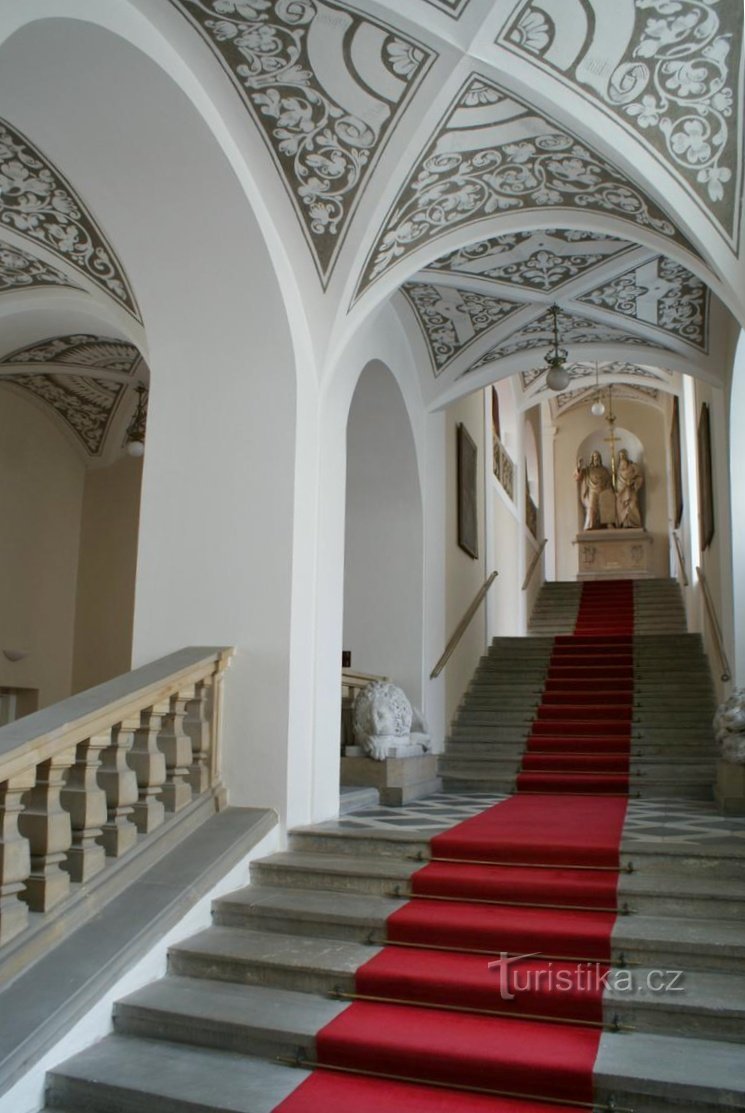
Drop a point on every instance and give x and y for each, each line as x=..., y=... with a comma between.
x=661, y=293
x=567, y=400
x=100, y=353
x=451, y=319
x=493, y=153
x=542, y=260
x=582, y=370
x=572, y=330
x=455, y=8
x=324, y=86
x=19, y=270
x=38, y=203
x=667, y=70
x=86, y=404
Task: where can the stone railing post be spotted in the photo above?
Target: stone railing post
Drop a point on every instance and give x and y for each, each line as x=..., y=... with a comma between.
x=119, y=783
x=86, y=802
x=15, y=857
x=149, y=764
x=46, y=825
x=197, y=725
x=175, y=745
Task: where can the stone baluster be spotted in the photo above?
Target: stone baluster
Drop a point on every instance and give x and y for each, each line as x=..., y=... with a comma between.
x=15, y=856
x=175, y=745
x=198, y=725
x=46, y=825
x=85, y=800
x=119, y=783
x=149, y=763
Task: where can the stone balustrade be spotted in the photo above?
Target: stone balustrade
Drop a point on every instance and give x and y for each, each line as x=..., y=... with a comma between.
x=82, y=781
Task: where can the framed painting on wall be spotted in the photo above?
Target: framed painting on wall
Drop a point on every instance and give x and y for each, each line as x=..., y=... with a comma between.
x=675, y=463
x=468, y=519
x=705, y=485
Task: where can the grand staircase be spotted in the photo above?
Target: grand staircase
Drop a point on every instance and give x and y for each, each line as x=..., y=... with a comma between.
x=234, y=1026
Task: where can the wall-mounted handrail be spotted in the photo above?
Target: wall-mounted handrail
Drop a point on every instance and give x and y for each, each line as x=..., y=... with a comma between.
x=681, y=559
x=534, y=562
x=462, y=626
x=726, y=670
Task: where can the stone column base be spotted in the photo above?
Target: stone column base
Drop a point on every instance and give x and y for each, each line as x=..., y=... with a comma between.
x=398, y=779
x=729, y=790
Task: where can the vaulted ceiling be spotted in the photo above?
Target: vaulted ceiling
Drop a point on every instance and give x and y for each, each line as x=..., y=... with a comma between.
x=473, y=162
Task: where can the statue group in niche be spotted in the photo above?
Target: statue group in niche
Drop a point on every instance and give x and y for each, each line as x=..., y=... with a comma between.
x=609, y=500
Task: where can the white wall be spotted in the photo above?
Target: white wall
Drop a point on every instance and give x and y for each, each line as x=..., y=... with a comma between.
x=383, y=565
x=737, y=469
x=215, y=561
x=41, y=498
x=464, y=574
x=716, y=561
x=106, y=573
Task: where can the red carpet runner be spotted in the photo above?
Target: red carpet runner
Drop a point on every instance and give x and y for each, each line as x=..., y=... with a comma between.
x=488, y=998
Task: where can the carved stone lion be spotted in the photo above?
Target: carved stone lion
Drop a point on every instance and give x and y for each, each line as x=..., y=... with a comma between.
x=729, y=728
x=383, y=718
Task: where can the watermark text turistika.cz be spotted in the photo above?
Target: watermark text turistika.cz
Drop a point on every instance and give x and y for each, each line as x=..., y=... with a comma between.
x=582, y=977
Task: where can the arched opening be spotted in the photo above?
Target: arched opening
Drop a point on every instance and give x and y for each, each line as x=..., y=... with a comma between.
x=215, y=560
x=383, y=564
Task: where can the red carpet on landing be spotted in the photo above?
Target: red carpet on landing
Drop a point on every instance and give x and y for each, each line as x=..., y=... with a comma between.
x=488, y=996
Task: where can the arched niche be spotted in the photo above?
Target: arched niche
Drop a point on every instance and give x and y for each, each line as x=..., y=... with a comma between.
x=597, y=441
x=215, y=561
x=383, y=564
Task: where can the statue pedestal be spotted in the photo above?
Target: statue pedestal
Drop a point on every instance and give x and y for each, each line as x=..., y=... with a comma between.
x=607, y=554
x=398, y=779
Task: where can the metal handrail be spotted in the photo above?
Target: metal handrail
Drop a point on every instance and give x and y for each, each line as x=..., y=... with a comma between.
x=681, y=559
x=534, y=562
x=462, y=626
x=726, y=670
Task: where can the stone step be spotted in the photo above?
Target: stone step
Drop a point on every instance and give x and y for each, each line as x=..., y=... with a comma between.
x=640, y=770
x=666, y=894
x=350, y=842
x=278, y=1023
x=255, y=1020
x=122, y=1074
x=643, y=789
x=256, y=952
x=669, y=750
x=308, y=963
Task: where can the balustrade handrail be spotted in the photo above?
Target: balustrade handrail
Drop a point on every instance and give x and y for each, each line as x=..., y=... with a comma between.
x=85, y=780
x=43, y=733
x=681, y=559
x=462, y=626
x=534, y=562
x=726, y=670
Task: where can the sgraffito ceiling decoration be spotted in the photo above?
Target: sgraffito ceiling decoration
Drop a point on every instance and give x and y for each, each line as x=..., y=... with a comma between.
x=669, y=71
x=325, y=86
x=541, y=261
x=454, y=8
x=634, y=392
x=100, y=353
x=451, y=319
x=86, y=404
x=38, y=203
x=573, y=330
x=491, y=154
x=578, y=370
x=661, y=293
x=21, y=271
x=65, y=372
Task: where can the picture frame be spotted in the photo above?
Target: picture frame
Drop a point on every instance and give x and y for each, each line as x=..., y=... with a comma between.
x=705, y=483
x=676, y=465
x=467, y=469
